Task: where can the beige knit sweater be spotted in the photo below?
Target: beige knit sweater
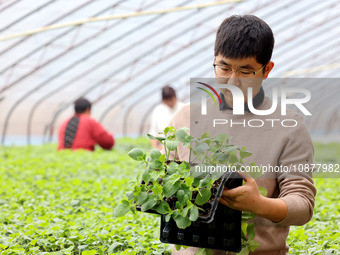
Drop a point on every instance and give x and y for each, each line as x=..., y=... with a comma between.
x=272, y=144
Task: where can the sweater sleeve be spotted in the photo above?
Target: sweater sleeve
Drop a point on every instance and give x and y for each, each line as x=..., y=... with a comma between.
x=297, y=188
x=102, y=137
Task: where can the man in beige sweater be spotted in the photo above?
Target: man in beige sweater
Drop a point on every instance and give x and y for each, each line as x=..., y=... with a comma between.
x=243, y=50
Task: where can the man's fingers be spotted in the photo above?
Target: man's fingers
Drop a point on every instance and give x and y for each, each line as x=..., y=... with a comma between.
x=222, y=201
x=227, y=202
x=232, y=193
x=247, y=177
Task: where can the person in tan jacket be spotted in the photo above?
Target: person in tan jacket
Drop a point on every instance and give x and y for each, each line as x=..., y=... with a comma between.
x=243, y=49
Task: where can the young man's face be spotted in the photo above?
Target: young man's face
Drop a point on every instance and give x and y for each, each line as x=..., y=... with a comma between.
x=237, y=78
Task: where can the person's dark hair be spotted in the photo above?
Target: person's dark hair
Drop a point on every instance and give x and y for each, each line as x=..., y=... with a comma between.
x=168, y=93
x=245, y=36
x=81, y=105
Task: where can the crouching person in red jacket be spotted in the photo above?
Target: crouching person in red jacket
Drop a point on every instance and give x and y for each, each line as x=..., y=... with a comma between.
x=83, y=132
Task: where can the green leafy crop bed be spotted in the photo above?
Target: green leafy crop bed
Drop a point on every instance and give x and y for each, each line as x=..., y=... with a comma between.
x=62, y=203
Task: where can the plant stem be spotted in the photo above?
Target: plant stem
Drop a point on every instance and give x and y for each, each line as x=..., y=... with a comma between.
x=205, y=156
x=196, y=157
x=201, y=209
x=166, y=151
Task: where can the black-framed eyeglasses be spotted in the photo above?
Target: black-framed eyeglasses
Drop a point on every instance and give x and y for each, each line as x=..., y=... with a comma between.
x=224, y=71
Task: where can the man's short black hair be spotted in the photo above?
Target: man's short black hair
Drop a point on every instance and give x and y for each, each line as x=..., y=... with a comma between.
x=81, y=105
x=245, y=36
x=168, y=92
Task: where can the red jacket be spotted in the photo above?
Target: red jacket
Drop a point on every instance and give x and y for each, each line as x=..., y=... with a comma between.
x=89, y=133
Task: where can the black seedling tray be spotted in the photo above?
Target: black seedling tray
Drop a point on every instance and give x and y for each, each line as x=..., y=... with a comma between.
x=214, y=203
x=223, y=232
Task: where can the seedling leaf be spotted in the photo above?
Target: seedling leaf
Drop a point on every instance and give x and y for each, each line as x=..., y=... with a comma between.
x=136, y=154
x=121, y=210
x=203, y=196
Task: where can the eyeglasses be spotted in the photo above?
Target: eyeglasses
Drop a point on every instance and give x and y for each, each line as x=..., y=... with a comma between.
x=226, y=71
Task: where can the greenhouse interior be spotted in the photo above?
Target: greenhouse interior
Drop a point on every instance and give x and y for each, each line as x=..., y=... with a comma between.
x=119, y=56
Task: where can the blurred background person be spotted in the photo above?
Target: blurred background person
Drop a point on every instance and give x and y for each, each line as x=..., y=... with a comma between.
x=162, y=114
x=83, y=132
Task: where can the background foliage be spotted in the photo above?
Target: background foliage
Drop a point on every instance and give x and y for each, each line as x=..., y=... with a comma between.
x=62, y=203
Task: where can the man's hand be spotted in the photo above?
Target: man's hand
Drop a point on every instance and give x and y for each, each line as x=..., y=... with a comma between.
x=248, y=198
x=243, y=198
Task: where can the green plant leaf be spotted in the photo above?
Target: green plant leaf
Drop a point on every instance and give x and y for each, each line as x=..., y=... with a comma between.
x=167, y=217
x=141, y=198
x=172, y=168
x=178, y=247
x=180, y=135
x=244, y=251
x=196, y=173
x=163, y=208
x=182, y=222
x=156, y=164
x=221, y=137
x=184, y=167
x=203, y=197
x=3, y=246
x=233, y=158
x=180, y=195
x=169, y=189
x=188, y=181
x=149, y=203
x=246, y=216
x=146, y=176
x=159, y=138
x=114, y=247
x=216, y=175
x=245, y=154
x=130, y=195
x=203, y=251
x=136, y=154
x=157, y=189
x=230, y=148
x=196, y=182
x=252, y=245
x=201, y=147
x=244, y=225
x=185, y=211
x=263, y=191
x=155, y=154
x=166, y=130
x=205, y=182
x=205, y=135
x=222, y=158
x=162, y=158
x=90, y=252
x=121, y=210
x=172, y=145
x=250, y=231
x=193, y=213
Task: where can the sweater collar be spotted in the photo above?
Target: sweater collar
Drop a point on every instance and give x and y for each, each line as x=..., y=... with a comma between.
x=257, y=100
